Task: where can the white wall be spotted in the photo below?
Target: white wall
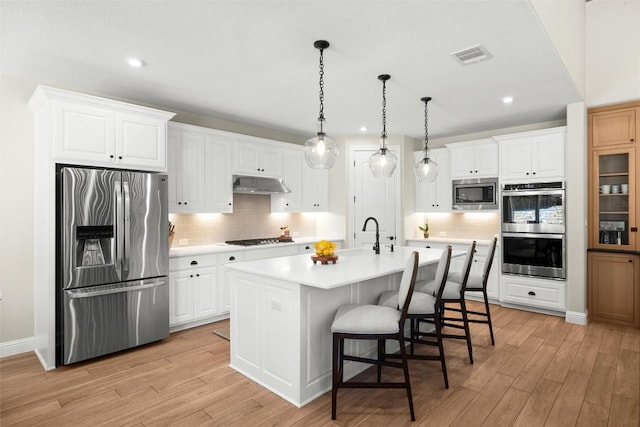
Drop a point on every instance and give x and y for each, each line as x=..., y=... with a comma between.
x=16, y=209
x=612, y=52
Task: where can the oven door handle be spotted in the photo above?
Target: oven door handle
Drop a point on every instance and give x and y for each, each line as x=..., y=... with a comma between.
x=508, y=193
x=535, y=235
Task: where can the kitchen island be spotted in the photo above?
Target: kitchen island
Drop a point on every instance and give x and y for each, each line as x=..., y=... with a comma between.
x=282, y=310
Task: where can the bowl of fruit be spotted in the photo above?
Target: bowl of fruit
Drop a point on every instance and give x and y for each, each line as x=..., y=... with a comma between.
x=324, y=252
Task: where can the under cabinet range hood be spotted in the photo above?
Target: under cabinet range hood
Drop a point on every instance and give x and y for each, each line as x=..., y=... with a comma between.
x=258, y=185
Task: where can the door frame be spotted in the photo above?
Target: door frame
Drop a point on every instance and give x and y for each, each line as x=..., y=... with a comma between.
x=397, y=150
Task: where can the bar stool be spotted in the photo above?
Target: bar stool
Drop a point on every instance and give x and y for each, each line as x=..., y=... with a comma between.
x=453, y=293
x=426, y=308
x=374, y=322
x=478, y=283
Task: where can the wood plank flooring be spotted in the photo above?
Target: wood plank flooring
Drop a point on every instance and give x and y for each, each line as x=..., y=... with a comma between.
x=541, y=372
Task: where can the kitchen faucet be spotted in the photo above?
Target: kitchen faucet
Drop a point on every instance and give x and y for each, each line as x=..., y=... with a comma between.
x=376, y=247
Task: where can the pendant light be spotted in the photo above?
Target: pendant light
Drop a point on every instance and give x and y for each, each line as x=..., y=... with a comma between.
x=321, y=151
x=426, y=169
x=383, y=162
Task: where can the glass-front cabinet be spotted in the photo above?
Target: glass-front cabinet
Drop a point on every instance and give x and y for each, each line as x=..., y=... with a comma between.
x=613, y=199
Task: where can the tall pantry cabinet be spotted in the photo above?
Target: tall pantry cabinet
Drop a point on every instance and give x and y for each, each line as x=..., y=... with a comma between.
x=614, y=214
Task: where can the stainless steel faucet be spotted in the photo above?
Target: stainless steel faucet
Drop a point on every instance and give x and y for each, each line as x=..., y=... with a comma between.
x=376, y=247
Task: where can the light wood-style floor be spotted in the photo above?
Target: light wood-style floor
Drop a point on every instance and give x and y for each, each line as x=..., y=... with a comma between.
x=542, y=371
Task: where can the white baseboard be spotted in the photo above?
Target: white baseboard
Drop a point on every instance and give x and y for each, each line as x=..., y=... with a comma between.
x=576, y=317
x=23, y=345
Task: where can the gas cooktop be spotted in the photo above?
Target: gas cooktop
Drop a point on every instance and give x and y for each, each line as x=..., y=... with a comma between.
x=254, y=242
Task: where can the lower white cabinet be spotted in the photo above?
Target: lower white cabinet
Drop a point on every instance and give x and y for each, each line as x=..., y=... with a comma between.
x=533, y=292
x=224, y=293
x=193, y=290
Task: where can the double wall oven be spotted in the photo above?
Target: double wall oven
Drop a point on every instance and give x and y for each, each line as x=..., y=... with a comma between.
x=533, y=230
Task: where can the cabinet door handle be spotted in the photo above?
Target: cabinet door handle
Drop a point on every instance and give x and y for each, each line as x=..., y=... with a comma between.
x=232, y=258
x=197, y=275
x=632, y=140
x=534, y=173
x=191, y=275
x=428, y=247
x=229, y=203
x=634, y=229
x=476, y=171
x=307, y=247
x=527, y=173
x=111, y=156
x=532, y=293
x=194, y=262
x=120, y=157
x=179, y=203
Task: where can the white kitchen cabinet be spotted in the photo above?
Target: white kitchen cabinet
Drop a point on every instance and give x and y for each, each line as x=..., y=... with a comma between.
x=435, y=196
x=315, y=195
x=533, y=292
x=257, y=157
x=199, y=170
x=534, y=155
x=93, y=131
x=474, y=159
x=193, y=290
x=292, y=178
x=224, y=295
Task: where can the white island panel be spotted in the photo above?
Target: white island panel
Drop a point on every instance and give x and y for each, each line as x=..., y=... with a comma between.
x=282, y=310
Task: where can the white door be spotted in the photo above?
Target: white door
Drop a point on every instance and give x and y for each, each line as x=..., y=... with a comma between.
x=374, y=197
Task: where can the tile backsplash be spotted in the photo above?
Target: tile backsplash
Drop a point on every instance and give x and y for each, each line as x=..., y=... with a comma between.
x=468, y=225
x=251, y=218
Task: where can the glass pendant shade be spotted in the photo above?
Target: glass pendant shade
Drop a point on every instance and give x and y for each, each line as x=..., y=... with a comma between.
x=383, y=163
x=426, y=170
x=320, y=151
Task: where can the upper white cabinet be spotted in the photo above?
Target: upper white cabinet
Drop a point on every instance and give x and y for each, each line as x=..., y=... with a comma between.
x=258, y=158
x=474, y=159
x=93, y=131
x=315, y=184
x=435, y=196
x=292, y=178
x=200, y=162
x=532, y=155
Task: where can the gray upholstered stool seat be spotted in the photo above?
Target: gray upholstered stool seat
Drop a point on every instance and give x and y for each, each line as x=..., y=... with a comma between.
x=366, y=319
x=421, y=303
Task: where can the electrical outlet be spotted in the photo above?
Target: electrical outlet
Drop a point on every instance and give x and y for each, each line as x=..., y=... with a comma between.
x=183, y=242
x=296, y=234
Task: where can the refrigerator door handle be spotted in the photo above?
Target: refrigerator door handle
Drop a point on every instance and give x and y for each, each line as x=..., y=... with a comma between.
x=89, y=293
x=119, y=227
x=127, y=225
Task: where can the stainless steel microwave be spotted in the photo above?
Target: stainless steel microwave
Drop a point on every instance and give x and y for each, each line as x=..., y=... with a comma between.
x=475, y=194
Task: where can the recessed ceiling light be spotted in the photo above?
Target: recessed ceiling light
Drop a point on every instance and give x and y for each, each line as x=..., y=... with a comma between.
x=363, y=128
x=507, y=99
x=135, y=62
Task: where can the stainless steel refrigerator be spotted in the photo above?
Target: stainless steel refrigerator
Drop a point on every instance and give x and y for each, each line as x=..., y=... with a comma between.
x=112, y=261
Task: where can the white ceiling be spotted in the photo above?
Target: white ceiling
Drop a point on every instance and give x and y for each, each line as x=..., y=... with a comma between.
x=254, y=61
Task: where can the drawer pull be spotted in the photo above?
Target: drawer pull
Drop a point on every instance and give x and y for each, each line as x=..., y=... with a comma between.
x=232, y=258
x=532, y=293
x=428, y=247
x=194, y=262
x=307, y=247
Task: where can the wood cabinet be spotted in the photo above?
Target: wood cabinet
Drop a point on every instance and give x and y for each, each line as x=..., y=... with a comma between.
x=199, y=168
x=257, y=157
x=474, y=159
x=531, y=156
x=613, y=259
x=435, y=196
x=93, y=131
x=614, y=288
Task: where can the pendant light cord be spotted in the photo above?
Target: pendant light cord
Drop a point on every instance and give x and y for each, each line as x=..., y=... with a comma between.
x=321, y=118
x=426, y=126
x=384, y=111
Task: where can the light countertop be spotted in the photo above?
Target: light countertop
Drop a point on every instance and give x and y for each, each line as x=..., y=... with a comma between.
x=353, y=265
x=223, y=247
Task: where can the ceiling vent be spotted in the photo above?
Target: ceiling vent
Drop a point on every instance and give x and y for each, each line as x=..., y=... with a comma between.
x=472, y=55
